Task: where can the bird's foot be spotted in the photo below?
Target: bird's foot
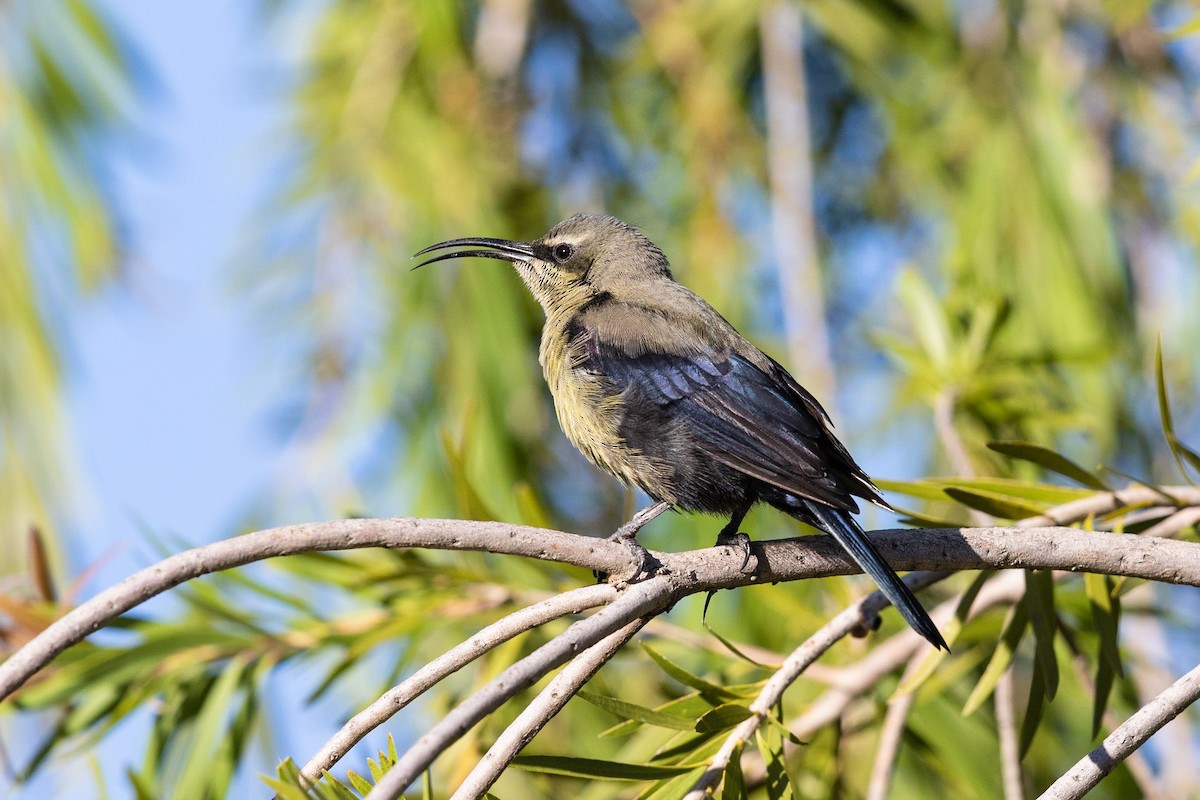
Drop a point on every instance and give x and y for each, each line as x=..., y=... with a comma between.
x=626, y=535
x=647, y=565
x=736, y=539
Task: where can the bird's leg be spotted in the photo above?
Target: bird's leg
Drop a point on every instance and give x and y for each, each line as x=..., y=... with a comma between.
x=627, y=535
x=731, y=536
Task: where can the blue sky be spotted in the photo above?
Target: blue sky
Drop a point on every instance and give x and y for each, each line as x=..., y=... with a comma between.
x=167, y=396
x=168, y=421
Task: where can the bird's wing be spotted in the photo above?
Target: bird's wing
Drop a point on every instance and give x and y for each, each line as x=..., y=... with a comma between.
x=749, y=418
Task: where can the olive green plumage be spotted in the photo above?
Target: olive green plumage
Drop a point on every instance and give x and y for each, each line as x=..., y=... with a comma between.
x=657, y=388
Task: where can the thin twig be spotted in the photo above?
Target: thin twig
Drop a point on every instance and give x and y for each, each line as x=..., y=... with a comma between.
x=1127, y=738
x=349, y=534
x=890, y=736
x=828, y=635
x=1173, y=524
x=648, y=597
x=426, y=677
x=1006, y=728
x=549, y=702
x=1139, y=770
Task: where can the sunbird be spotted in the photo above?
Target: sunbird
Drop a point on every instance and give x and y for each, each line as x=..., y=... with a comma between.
x=655, y=387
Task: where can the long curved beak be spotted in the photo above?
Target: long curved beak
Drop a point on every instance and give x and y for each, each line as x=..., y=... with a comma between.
x=501, y=249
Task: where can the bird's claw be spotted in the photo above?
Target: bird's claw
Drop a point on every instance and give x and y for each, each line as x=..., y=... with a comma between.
x=647, y=566
x=738, y=540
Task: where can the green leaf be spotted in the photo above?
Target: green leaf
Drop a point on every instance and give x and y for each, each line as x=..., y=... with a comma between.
x=734, y=786
x=1168, y=423
x=1002, y=656
x=733, y=648
x=778, y=783
x=934, y=657
x=927, y=316
x=360, y=784
x=1049, y=459
x=1033, y=712
x=1106, y=609
x=687, y=678
x=598, y=769
x=935, y=489
x=994, y=504
x=631, y=711
x=286, y=783
x=210, y=729
x=1039, y=589
x=723, y=717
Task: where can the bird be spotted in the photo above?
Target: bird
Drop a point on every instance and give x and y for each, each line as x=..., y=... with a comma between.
x=656, y=388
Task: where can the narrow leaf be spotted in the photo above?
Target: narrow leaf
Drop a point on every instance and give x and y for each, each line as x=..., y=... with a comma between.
x=1033, y=712
x=994, y=504
x=1105, y=608
x=734, y=785
x=933, y=659
x=1002, y=656
x=733, y=648
x=1164, y=413
x=632, y=711
x=1039, y=589
x=687, y=678
x=594, y=768
x=1045, y=457
x=722, y=718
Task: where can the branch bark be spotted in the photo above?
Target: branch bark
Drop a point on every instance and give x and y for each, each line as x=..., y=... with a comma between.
x=446, y=664
x=1127, y=738
x=535, y=716
x=705, y=570
x=630, y=606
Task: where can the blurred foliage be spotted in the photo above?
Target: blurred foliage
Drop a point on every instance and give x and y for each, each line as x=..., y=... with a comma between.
x=65, y=80
x=1002, y=207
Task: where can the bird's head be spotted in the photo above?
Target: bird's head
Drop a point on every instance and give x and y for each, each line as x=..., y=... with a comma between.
x=579, y=258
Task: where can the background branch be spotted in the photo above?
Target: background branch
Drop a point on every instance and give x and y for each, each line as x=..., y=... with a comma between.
x=452, y=660
x=543, y=708
x=1127, y=738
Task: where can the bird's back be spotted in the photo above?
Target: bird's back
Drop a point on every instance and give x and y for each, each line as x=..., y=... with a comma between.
x=660, y=390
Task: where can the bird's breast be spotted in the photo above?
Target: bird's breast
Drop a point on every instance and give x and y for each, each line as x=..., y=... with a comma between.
x=590, y=411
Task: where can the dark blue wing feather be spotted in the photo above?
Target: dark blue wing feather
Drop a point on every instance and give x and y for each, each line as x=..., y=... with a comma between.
x=747, y=418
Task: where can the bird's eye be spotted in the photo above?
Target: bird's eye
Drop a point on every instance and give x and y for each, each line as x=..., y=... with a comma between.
x=562, y=252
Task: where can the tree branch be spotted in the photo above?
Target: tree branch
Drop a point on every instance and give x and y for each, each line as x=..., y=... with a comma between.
x=535, y=716
x=452, y=660
x=828, y=635
x=707, y=569
x=1127, y=738
x=648, y=597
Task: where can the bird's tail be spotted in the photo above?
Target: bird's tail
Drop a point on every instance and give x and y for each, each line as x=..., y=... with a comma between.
x=846, y=530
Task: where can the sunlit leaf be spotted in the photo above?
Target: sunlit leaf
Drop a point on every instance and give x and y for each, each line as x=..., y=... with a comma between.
x=1039, y=590
x=598, y=769
x=723, y=718
x=1049, y=459
x=686, y=678
x=1002, y=656
x=638, y=713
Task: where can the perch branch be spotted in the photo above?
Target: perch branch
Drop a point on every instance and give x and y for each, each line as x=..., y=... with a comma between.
x=711, y=568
